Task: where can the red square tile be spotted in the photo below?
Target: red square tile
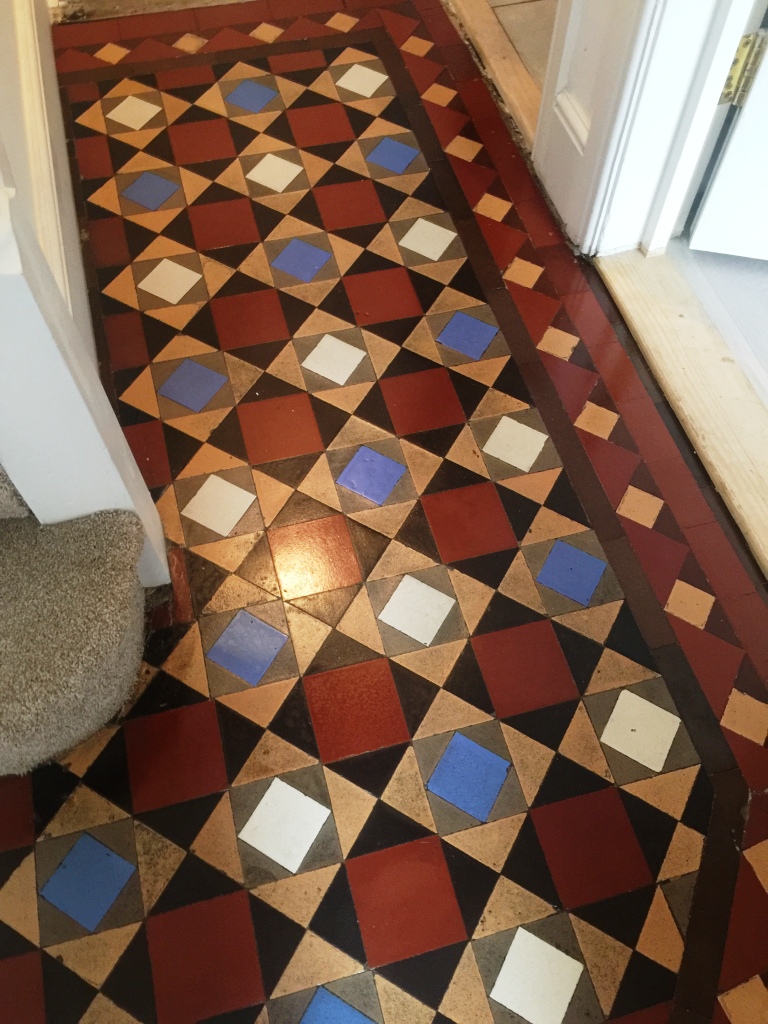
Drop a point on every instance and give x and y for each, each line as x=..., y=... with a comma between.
x=524, y=668
x=468, y=521
x=204, y=960
x=84, y=92
x=252, y=318
x=317, y=126
x=590, y=847
x=349, y=205
x=21, y=990
x=198, y=141
x=382, y=295
x=405, y=901
x=746, y=948
x=147, y=443
x=283, y=62
x=85, y=33
x=279, y=428
x=125, y=338
x=174, y=756
x=218, y=224
x=17, y=816
x=355, y=709
x=93, y=158
x=108, y=242
x=232, y=14
x=313, y=557
x=422, y=401
x=179, y=78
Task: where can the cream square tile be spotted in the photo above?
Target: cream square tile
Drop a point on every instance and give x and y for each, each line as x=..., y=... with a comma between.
x=169, y=281
x=274, y=172
x=536, y=981
x=641, y=730
x=690, y=604
x=285, y=825
x=364, y=81
x=334, y=359
x=417, y=610
x=427, y=239
x=746, y=716
x=640, y=506
x=515, y=443
x=134, y=112
x=219, y=505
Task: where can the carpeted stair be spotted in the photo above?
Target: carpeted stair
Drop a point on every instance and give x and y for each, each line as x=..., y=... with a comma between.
x=71, y=628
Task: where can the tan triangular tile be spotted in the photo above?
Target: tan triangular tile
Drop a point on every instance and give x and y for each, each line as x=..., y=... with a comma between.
x=93, y=118
x=346, y=253
x=298, y=897
x=352, y=56
x=669, y=792
x=227, y=553
x=352, y=807
x=272, y=495
x=614, y=670
x=158, y=860
x=356, y=431
x=282, y=202
x=128, y=87
x=315, y=962
x=174, y=107
x=531, y=760
x=325, y=86
x=256, y=265
x=383, y=127
x=421, y=342
x=319, y=484
x=212, y=100
x=80, y=758
x=660, y=939
x=684, y=853
x=372, y=106
x=449, y=299
x=289, y=90
x=123, y=289
x=308, y=635
x=398, y=1007
x=380, y=350
x=141, y=394
x=18, y=901
x=328, y=607
x=193, y=184
x=595, y=622
x=321, y=322
x=486, y=371
x=216, y=842
x=176, y=316
x=263, y=1017
x=181, y=347
x=411, y=207
x=399, y=559
x=606, y=960
x=509, y=906
x=535, y=486
x=315, y=166
x=233, y=177
x=496, y=403
x=259, y=704
x=433, y=663
x=518, y=584
x=168, y=510
x=385, y=244
x=161, y=247
x=405, y=792
x=286, y=367
x=264, y=144
x=447, y=713
x=549, y=525
x=272, y=756
x=347, y=398
x=93, y=956
x=465, y=1001
x=465, y=452
x=199, y=425
x=442, y=272
x=187, y=662
x=359, y=622
x=386, y=520
x=108, y=198
x=489, y=843
x=581, y=744
x=216, y=274
x=234, y=593
x=104, y=1011
x=422, y=464
x=242, y=375
x=314, y=293
x=291, y=227
x=473, y=597
x=157, y=221
x=83, y=809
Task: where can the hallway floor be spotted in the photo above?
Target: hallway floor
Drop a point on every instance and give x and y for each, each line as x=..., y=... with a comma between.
x=453, y=712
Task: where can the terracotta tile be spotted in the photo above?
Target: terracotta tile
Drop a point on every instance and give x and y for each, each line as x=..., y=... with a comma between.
x=148, y=446
x=314, y=557
x=22, y=999
x=349, y=205
x=198, y=141
x=382, y=295
x=93, y=157
x=215, y=225
x=17, y=823
x=468, y=522
x=316, y=126
x=160, y=23
x=252, y=318
x=422, y=401
x=746, y=948
x=279, y=428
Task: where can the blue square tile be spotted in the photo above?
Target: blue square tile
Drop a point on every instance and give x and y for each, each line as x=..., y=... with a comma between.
x=571, y=572
x=467, y=334
x=469, y=776
x=393, y=155
x=326, y=1008
x=150, y=190
x=87, y=882
x=251, y=96
x=247, y=647
x=370, y=474
x=301, y=259
x=192, y=385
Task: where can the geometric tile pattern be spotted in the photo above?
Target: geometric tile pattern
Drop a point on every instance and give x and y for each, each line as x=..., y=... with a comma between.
x=310, y=813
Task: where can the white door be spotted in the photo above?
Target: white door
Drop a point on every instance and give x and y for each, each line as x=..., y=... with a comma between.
x=733, y=218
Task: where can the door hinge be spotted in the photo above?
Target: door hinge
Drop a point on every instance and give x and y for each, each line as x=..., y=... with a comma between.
x=743, y=68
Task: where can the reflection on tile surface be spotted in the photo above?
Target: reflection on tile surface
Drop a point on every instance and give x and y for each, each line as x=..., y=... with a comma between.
x=404, y=751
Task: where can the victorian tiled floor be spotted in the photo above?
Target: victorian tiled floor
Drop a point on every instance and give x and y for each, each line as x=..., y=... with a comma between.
x=452, y=713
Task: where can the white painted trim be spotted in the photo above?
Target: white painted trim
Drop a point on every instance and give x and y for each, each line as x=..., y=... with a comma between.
x=711, y=395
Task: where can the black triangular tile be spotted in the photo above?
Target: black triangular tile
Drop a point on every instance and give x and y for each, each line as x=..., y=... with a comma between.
x=521, y=511
x=10, y=860
x=373, y=409
x=363, y=234
x=465, y=281
x=138, y=237
x=329, y=419
x=566, y=779
x=625, y=637
x=300, y=508
x=426, y=977
x=193, y=882
x=339, y=650
x=130, y=417
x=359, y=120
x=645, y=983
x=397, y=331
x=699, y=807
x=160, y=147
x=67, y=996
x=157, y=334
x=120, y=152
x=654, y=829
x=466, y=681
x=622, y=917
x=295, y=311
x=369, y=545
x=395, y=112
x=470, y=392
x=202, y=327
x=335, y=920
x=369, y=262
x=259, y=355
x=180, y=448
x=328, y=150
x=268, y=386
x=581, y=653
x=163, y=693
x=391, y=199
x=161, y=643
x=228, y=437
x=238, y=284
x=503, y=613
x=489, y=569
x=290, y=471
x=450, y=475
x=194, y=114
x=211, y=169
x=108, y=775
x=129, y=985
x=428, y=192
x=416, y=695
x=473, y=884
x=11, y=943
x=239, y=737
x=266, y=218
x=562, y=499
x=281, y=129
x=406, y=362
x=527, y=866
x=244, y=1016
x=181, y=822
x=384, y=828
x=415, y=533
x=337, y=303
x=371, y=771
x=52, y=785
x=233, y=255
x=427, y=289
x=293, y=723
x=306, y=210
x=337, y=175
x=510, y=382
x=257, y=567
x=440, y=442
x=180, y=230
x=546, y=725
x=277, y=938
x=204, y=577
